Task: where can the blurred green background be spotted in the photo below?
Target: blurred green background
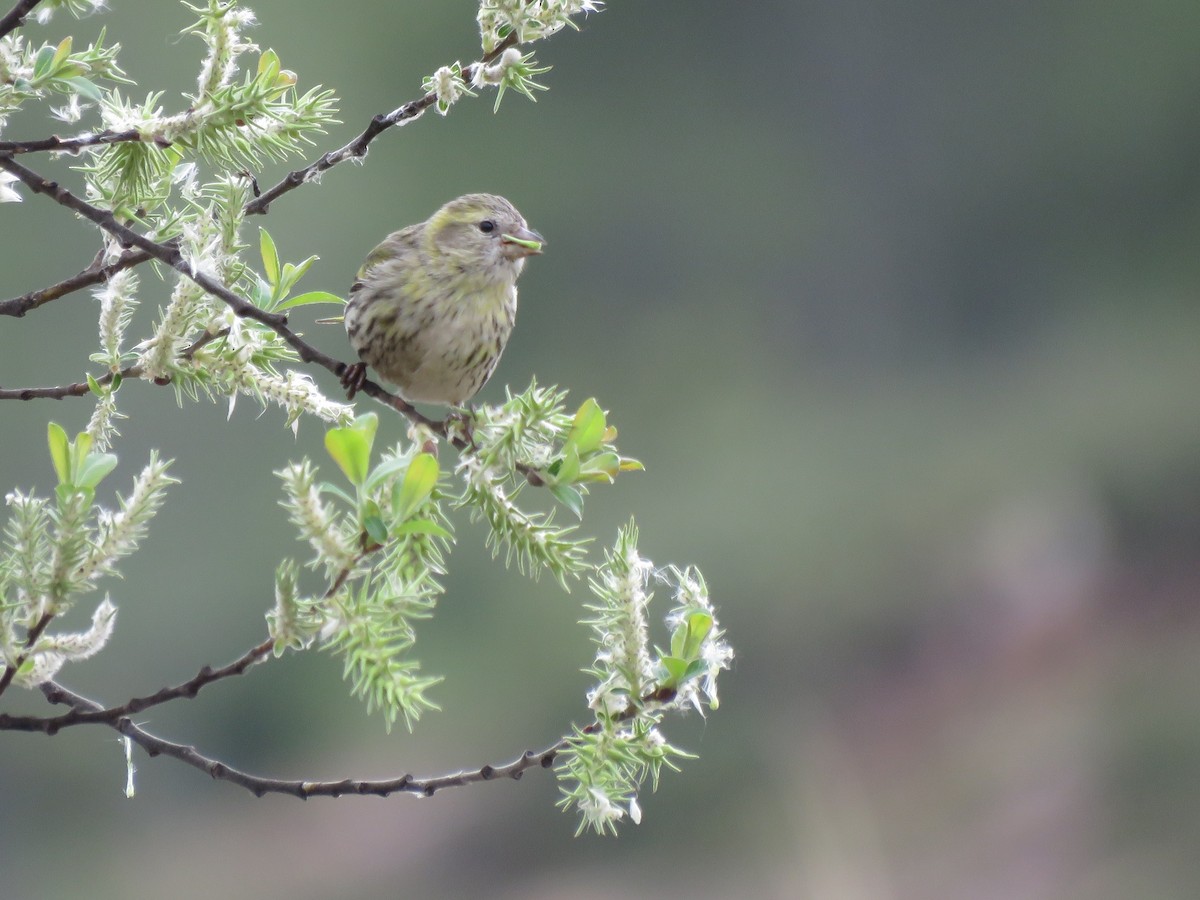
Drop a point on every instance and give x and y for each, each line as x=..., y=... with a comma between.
x=898, y=304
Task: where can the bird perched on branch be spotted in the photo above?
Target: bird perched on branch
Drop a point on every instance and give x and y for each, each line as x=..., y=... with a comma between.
x=434, y=304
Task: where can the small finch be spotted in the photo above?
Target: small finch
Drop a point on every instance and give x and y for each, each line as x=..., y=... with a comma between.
x=434, y=304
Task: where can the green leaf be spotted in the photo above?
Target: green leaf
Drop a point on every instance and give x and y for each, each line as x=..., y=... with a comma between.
x=351, y=447
x=268, y=65
x=690, y=634
x=369, y=424
x=674, y=671
x=79, y=453
x=566, y=468
x=385, y=470
x=587, y=431
x=263, y=294
x=43, y=63
x=115, y=383
x=419, y=481
x=94, y=468
x=569, y=497
x=60, y=452
x=601, y=467
x=310, y=298
x=63, y=51
x=270, y=256
x=327, y=487
x=69, y=70
x=374, y=526
x=292, y=274
x=94, y=386
x=422, y=526
x=696, y=668
x=85, y=88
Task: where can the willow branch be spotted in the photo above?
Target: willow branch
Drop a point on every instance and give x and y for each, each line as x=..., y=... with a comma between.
x=62, y=391
x=56, y=144
x=259, y=785
x=15, y=17
x=95, y=273
x=35, y=632
x=79, y=388
x=81, y=714
x=357, y=148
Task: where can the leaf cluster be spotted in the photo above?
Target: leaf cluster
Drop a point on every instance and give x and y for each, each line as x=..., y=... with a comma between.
x=56, y=549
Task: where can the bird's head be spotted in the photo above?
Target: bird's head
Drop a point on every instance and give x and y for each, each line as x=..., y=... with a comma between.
x=483, y=231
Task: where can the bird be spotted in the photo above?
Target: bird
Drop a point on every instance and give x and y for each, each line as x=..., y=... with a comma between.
x=433, y=306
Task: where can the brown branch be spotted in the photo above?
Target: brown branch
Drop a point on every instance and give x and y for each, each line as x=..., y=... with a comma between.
x=357, y=148
x=86, y=711
x=165, y=253
x=57, y=144
x=93, y=274
x=35, y=632
x=15, y=17
x=190, y=688
x=85, y=715
x=259, y=785
x=79, y=388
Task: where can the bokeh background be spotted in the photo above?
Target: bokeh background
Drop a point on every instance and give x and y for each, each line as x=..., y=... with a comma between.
x=898, y=304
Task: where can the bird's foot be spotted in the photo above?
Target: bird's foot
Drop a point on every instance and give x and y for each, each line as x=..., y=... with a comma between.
x=460, y=422
x=353, y=378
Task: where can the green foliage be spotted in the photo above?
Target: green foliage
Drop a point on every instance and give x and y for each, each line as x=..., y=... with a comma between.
x=33, y=73
x=532, y=439
x=602, y=770
x=382, y=548
x=514, y=71
x=603, y=767
x=275, y=284
x=54, y=551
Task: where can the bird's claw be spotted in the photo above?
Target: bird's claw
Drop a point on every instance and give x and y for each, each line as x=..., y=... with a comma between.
x=353, y=378
x=462, y=421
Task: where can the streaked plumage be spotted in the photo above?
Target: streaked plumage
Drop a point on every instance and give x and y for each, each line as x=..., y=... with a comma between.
x=434, y=304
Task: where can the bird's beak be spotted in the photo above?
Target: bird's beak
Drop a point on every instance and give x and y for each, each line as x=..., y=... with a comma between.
x=521, y=243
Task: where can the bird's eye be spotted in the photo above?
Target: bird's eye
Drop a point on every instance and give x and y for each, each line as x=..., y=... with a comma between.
x=487, y=226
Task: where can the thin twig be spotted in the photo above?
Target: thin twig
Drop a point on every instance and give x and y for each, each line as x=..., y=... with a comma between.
x=79, y=388
x=357, y=148
x=62, y=391
x=57, y=144
x=80, y=715
x=93, y=274
x=35, y=632
x=190, y=688
x=259, y=785
x=87, y=711
x=15, y=17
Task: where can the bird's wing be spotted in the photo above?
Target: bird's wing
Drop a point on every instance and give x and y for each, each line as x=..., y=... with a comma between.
x=398, y=243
